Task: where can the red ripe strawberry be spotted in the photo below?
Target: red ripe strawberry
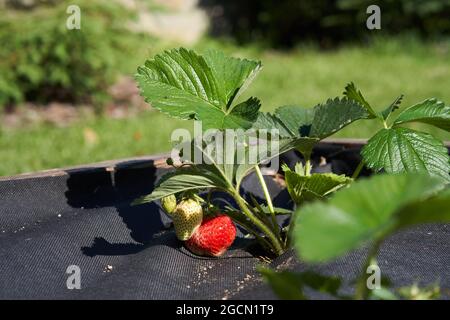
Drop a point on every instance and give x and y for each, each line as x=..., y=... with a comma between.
x=214, y=236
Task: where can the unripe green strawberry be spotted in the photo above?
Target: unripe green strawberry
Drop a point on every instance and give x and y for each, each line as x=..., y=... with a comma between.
x=169, y=204
x=187, y=217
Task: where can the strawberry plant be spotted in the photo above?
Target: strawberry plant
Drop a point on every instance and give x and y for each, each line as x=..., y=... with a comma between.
x=353, y=217
x=207, y=88
x=398, y=149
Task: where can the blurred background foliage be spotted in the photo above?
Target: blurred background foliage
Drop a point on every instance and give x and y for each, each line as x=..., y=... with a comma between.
x=42, y=61
x=285, y=23
x=67, y=97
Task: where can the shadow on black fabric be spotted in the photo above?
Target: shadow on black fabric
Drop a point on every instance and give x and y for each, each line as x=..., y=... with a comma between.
x=105, y=248
x=97, y=187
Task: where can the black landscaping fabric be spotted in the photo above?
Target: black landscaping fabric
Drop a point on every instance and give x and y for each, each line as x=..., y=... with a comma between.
x=83, y=217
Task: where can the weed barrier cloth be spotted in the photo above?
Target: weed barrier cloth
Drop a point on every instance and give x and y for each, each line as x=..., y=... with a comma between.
x=83, y=217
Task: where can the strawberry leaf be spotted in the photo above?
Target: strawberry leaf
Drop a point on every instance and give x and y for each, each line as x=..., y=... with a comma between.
x=315, y=186
x=289, y=285
x=297, y=120
x=392, y=107
x=241, y=116
x=334, y=115
x=317, y=123
x=354, y=216
x=293, y=124
x=183, y=179
x=269, y=121
x=430, y=111
x=290, y=121
x=186, y=85
x=232, y=75
x=424, y=214
x=353, y=93
x=399, y=149
x=285, y=284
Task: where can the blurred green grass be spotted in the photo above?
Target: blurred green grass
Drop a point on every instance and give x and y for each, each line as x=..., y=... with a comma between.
x=304, y=76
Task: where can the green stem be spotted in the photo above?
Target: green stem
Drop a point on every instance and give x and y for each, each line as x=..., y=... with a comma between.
x=361, y=290
x=262, y=182
x=273, y=239
x=259, y=212
x=290, y=228
x=358, y=170
x=307, y=166
x=237, y=217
